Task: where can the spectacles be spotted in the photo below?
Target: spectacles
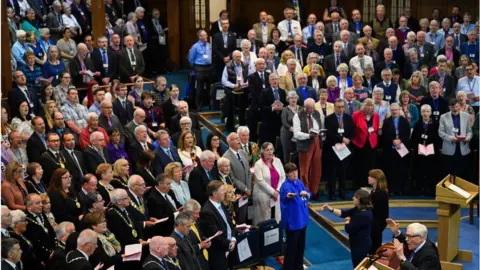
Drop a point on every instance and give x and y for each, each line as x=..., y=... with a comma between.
x=410, y=236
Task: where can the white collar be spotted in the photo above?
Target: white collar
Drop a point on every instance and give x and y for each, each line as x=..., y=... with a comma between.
x=420, y=246
x=84, y=191
x=14, y=266
x=84, y=254
x=216, y=204
x=134, y=195
x=234, y=151
x=122, y=99
x=158, y=258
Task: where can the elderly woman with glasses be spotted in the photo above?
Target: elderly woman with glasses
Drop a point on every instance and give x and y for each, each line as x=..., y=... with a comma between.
x=53, y=67
x=312, y=59
x=13, y=188
x=65, y=203
x=286, y=131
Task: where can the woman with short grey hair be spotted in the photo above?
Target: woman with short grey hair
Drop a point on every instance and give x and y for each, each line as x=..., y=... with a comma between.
x=248, y=57
x=410, y=42
x=132, y=28
x=286, y=131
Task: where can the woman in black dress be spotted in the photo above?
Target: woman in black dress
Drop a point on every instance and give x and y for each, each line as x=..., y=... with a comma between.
x=104, y=175
x=32, y=182
x=379, y=199
x=65, y=205
x=121, y=172
x=358, y=225
x=144, y=167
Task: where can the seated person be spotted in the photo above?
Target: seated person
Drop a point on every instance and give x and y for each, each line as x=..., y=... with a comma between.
x=186, y=125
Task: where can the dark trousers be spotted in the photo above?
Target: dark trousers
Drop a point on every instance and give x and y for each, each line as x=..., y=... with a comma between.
x=364, y=161
x=396, y=169
x=295, y=248
x=254, y=117
x=204, y=80
x=456, y=164
x=338, y=168
x=426, y=173
x=219, y=66
x=376, y=234
x=235, y=101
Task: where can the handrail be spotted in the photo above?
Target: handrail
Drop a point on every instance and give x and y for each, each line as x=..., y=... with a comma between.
x=145, y=81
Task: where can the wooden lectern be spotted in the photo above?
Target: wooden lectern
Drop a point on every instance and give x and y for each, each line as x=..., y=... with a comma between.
x=449, y=206
x=365, y=264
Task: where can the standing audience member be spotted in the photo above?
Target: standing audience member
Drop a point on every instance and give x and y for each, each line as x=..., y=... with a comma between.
x=161, y=203
x=286, y=131
x=186, y=251
x=158, y=247
x=86, y=245
x=273, y=101
x=380, y=211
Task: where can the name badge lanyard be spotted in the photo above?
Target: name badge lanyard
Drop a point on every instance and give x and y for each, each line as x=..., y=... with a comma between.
x=472, y=87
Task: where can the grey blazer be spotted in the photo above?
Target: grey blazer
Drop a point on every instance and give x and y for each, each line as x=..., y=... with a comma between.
x=355, y=104
x=242, y=175
x=445, y=131
x=352, y=39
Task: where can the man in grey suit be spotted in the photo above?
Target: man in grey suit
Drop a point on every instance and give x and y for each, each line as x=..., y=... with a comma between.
x=55, y=22
x=351, y=105
x=425, y=50
x=241, y=171
x=456, y=132
x=352, y=39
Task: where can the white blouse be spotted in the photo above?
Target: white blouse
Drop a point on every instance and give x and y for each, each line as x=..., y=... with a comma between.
x=70, y=21
x=181, y=191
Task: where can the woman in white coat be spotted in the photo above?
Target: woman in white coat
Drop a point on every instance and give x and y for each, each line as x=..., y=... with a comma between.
x=269, y=177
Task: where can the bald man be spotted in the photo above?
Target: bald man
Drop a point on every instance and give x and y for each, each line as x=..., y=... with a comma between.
x=158, y=251
x=131, y=61
x=78, y=73
x=171, y=257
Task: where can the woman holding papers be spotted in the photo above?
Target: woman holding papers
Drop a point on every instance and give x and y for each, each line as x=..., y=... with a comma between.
x=294, y=198
x=395, y=142
x=425, y=140
x=358, y=224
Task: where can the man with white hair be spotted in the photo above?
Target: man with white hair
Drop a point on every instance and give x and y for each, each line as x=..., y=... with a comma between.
x=273, y=99
x=387, y=63
x=109, y=121
x=255, y=44
x=257, y=82
x=196, y=235
x=158, y=251
x=104, y=60
x=248, y=145
x=131, y=62
x=289, y=81
x=86, y=245
x=471, y=47
x=187, y=255
x=6, y=221
x=303, y=90
x=235, y=81
x=360, y=61
x=423, y=252
x=202, y=175
x=390, y=32
x=240, y=169
x=120, y=221
x=92, y=126
x=96, y=153
x=447, y=82
x=138, y=120
x=319, y=47
x=289, y=27
x=412, y=64
x=62, y=231
x=223, y=45
x=352, y=37
x=425, y=50
x=186, y=125
x=183, y=110
x=138, y=208
x=402, y=31
x=55, y=22
x=332, y=61
x=75, y=114
x=20, y=47
x=80, y=66
x=299, y=50
x=348, y=47
x=380, y=23
x=306, y=130
x=391, y=90
x=459, y=38
x=398, y=56
x=140, y=144
x=367, y=30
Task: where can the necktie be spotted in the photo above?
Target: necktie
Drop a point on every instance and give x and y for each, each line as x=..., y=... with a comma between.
x=350, y=108
x=441, y=80
x=222, y=213
x=169, y=154
x=310, y=121
x=362, y=62
x=340, y=122
x=245, y=147
x=60, y=23
x=252, y=47
x=345, y=47
x=294, y=81
x=57, y=156
x=411, y=256
x=41, y=187
x=262, y=78
x=275, y=94
x=311, y=30
x=109, y=122
x=124, y=104
x=225, y=39
x=195, y=231
x=104, y=56
x=240, y=159
x=76, y=162
x=210, y=175
x=387, y=85
x=131, y=55
x=145, y=146
x=337, y=61
x=457, y=41
x=290, y=28
x=6, y=234
x=335, y=28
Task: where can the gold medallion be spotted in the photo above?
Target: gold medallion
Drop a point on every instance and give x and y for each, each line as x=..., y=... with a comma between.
x=77, y=204
x=134, y=233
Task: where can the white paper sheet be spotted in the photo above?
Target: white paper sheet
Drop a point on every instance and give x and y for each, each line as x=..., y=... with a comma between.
x=242, y=201
x=133, y=249
x=341, y=150
x=161, y=220
x=459, y=191
x=243, y=250
x=403, y=151
x=111, y=267
x=426, y=150
x=271, y=237
x=134, y=257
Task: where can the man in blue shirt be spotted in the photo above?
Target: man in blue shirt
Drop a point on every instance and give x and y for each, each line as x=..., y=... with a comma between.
x=294, y=206
x=309, y=30
x=470, y=84
x=434, y=38
x=200, y=58
x=470, y=48
x=20, y=47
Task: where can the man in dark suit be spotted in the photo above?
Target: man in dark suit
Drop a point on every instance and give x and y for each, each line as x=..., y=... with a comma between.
x=86, y=244
x=234, y=80
x=104, y=61
x=16, y=8
x=112, y=10
x=37, y=143
x=122, y=107
x=182, y=109
x=57, y=260
x=202, y=175
x=186, y=251
x=398, y=56
x=447, y=82
x=450, y=45
x=356, y=24
x=271, y=110
x=22, y=93
x=423, y=253
x=89, y=186
x=41, y=9
x=299, y=50
x=161, y=203
x=158, y=251
x=73, y=161
x=216, y=27
x=386, y=64
x=51, y=159
x=256, y=83
x=214, y=218
x=224, y=43
x=55, y=22
x=425, y=50
x=131, y=61
x=458, y=37
x=438, y=103
x=332, y=61
x=39, y=231
x=412, y=64
x=59, y=127
x=332, y=27
x=109, y=121
x=120, y=221
x=139, y=144
x=319, y=47
x=137, y=208
x=11, y=253
x=164, y=153
x=95, y=154
x=157, y=42
x=340, y=130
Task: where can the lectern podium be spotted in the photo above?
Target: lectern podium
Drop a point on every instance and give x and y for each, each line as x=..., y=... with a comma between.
x=449, y=206
x=365, y=264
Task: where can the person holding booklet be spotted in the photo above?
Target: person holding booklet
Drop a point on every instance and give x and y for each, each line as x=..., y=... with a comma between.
x=456, y=132
x=340, y=131
x=395, y=142
x=426, y=145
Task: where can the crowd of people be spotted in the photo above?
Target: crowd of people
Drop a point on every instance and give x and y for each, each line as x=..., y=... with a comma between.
x=93, y=162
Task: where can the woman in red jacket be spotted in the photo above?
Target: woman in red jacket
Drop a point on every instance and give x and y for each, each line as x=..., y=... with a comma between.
x=365, y=140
